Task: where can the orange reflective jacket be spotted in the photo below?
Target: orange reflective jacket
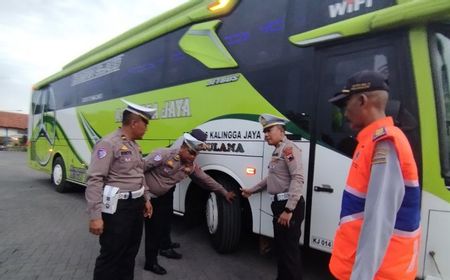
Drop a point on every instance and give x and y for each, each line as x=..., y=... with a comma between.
x=400, y=260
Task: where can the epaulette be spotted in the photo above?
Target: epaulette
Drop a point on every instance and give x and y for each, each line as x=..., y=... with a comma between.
x=379, y=133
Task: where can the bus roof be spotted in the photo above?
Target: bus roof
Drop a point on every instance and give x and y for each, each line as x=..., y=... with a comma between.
x=191, y=11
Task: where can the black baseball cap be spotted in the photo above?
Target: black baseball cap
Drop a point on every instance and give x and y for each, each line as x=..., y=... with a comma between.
x=198, y=134
x=363, y=81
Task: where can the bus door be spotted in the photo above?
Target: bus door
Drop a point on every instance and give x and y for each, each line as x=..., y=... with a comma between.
x=334, y=141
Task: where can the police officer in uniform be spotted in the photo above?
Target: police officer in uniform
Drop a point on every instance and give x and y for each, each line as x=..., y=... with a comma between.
x=285, y=183
x=163, y=169
x=115, y=180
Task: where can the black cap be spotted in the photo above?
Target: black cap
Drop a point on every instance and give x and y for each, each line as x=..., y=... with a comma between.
x=198, y=134
x=195, y=140
x=363, y=81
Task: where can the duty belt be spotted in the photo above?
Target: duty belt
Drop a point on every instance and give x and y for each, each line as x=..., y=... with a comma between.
x=133, y=195
x=280, y=196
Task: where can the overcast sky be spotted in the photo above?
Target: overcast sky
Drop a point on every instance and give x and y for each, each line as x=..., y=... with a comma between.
x=39, y=37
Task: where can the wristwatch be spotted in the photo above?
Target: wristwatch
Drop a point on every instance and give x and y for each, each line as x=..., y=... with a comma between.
x=287, y=210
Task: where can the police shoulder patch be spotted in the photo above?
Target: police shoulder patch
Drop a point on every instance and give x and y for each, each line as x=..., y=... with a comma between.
x=157, y=157
x=101, y=153
x=288, y=153
x=379, y=133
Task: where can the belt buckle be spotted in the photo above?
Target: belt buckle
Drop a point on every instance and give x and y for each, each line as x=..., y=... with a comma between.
x=277, y=198
x=281, y=196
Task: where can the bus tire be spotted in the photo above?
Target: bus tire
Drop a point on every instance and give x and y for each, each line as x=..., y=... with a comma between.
x=223, y=219
x=58, y=176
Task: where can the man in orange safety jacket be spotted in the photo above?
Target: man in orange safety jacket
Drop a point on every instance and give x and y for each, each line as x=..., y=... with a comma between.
x=379, y=230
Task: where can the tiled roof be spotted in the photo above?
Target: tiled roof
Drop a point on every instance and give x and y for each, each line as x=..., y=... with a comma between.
x=13, y=120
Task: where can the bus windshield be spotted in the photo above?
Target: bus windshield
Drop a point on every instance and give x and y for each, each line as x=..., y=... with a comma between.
x=441, y=59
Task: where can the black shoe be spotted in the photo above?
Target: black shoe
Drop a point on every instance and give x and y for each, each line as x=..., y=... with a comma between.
x=170, y=253
x=155, y=268
x=174, y=245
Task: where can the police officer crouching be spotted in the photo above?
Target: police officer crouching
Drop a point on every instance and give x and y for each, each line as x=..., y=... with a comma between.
x=117, y=196
x=284, y=183
x=164, y=168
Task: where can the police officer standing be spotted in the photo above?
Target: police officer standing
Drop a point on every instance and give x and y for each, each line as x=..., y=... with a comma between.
x=285, y=183
x=379, y=230
x=163, y=169
x=116, y=187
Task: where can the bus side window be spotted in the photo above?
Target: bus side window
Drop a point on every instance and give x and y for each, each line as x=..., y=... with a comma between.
x=50, y=105
x=36, y=102
x=378, y=54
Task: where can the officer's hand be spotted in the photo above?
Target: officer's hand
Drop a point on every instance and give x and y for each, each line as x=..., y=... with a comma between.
x=245, y=193
x=148, y=211
x=96, y=226
x=285, y=218
x=230, y=197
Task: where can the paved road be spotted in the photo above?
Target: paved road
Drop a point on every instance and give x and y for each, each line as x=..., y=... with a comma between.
x=44, y=235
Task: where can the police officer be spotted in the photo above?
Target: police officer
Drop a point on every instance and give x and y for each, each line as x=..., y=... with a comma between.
x=163, y=169
x=285, y=183
x=379, y=230
x=116, y=187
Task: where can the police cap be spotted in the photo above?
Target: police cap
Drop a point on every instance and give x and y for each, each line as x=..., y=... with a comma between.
x=268, y=121
x=144, y=112
x=363, y=81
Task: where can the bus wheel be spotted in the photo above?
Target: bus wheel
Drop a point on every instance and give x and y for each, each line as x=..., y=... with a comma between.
x=59, y=176
x=224, y=219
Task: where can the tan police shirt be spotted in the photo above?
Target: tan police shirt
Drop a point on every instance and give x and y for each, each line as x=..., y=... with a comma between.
x=163, y=169
x=285, y=173
x=115, y=161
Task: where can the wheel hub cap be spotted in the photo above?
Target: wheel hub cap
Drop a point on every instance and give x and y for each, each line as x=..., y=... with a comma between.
x=212, y=213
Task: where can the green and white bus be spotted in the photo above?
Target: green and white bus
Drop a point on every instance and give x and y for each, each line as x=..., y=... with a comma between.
x=217, y=65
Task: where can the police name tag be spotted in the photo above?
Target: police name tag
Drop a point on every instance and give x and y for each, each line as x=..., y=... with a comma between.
x=110, y=199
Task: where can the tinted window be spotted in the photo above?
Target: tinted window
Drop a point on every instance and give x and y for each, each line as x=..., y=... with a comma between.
x=307, y=15
x=341, y=62
x=255, y=32
x=155, y=64
x=36, y=105
x=182, y=68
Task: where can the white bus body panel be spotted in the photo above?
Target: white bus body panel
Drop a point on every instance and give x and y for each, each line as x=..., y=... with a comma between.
x=232, y=163
x=435, y=237
x=330, y=168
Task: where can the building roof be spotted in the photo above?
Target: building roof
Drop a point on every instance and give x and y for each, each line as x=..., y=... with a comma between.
x=13, y=120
